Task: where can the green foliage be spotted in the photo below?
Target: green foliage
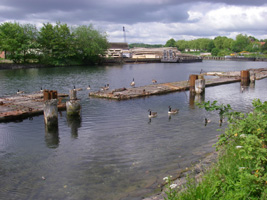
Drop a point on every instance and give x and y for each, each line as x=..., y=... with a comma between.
x=170, y=43
x=89, y=43
x=19, y=41
x=52, y=44
x=145, y=45
x=241, y=169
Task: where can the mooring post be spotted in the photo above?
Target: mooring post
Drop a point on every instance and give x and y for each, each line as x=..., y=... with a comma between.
x=192, y=79
x=73, y=105
x=252, y=76
x=51, y=112
x=73, y=108
x=200, y=85
x=245, y=78
x=73, y=94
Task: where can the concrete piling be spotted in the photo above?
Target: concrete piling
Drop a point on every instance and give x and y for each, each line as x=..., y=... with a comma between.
x=73, y=106
x=51, y=112
x=252, y=76
x=199, y=86
x=73, y=94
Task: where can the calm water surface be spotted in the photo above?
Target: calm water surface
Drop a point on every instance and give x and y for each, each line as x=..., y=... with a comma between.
x=114, y=151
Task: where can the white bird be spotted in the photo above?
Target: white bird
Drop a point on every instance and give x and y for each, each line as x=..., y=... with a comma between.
x=43, y=178
x=20, y=92
x=174, y=111
x=154, y=81
x=88, y=88
x=133, y=83
x=152, y=114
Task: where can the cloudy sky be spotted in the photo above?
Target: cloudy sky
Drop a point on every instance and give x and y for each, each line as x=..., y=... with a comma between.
x=146, y=21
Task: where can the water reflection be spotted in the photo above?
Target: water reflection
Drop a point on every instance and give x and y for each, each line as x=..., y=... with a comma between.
x=74, y=122
x=196, y=98
x=51, y=136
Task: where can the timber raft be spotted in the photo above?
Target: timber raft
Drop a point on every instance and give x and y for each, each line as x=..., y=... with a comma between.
x=21, y=106
x=163, y=88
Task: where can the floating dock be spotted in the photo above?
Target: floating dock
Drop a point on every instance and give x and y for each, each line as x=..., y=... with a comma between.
x=22, y=106
x=163, y=88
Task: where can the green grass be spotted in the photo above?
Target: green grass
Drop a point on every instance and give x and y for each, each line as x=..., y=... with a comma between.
x=241, y=169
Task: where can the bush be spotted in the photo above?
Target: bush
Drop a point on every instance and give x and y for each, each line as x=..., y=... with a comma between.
x=241, y=170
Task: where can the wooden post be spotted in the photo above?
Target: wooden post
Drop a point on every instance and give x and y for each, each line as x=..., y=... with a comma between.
x=245, y=77
x=192, y=79
x=51, y=112
x=200, y=86
x=73, y=108
x=47, y=95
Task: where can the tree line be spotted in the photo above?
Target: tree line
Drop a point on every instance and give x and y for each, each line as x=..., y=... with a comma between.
x=221, y=45
x=56, y=44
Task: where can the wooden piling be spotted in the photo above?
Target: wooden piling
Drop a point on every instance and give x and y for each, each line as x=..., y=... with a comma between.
x=192, y=79
x=245, y=78
x=51, y=112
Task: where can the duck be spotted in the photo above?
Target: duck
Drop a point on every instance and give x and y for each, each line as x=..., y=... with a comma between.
x=77, y=89
x=152, y=114
x=172, y=111
x=88, y=88
x=133, y=83
x=154, y=81
x=20, y=92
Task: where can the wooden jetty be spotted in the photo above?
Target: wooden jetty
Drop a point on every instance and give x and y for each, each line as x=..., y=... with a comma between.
x=163, y=88
x=22, y=106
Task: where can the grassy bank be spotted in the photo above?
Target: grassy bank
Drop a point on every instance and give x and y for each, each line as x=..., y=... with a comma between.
x=241, y=169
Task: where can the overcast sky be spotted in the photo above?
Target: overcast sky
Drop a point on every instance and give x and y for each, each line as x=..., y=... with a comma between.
x=146, y=21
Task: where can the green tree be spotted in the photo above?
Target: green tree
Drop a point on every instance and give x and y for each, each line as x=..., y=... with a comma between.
x=90, y=44
x=240, y=44
x=18, y=41
x=219, y=42
x=215, y=51
x=56, y=44
x=170, y=43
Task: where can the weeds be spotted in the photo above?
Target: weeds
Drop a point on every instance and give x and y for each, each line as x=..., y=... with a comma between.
x=241, y=169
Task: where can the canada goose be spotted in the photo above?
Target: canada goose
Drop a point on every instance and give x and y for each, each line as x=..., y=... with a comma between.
x=154, y=81
x=41, y=90
x=152, y=114
x=103, y=88
x=88, y=88
x=107, y=87
x=207, y=121
x=133, y=83
x=20, y=92
x=174, y=111
x=77, y=89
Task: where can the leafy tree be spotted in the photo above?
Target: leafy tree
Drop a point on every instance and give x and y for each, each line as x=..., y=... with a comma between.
x=89, y=43
x=219, y=42
x=241, y=42
x=170, y=43
x=18, y=41
x=215, y=51
x=182, y=45
x=145, y=45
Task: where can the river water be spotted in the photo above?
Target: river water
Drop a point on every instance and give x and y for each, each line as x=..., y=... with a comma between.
x=114, y=151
